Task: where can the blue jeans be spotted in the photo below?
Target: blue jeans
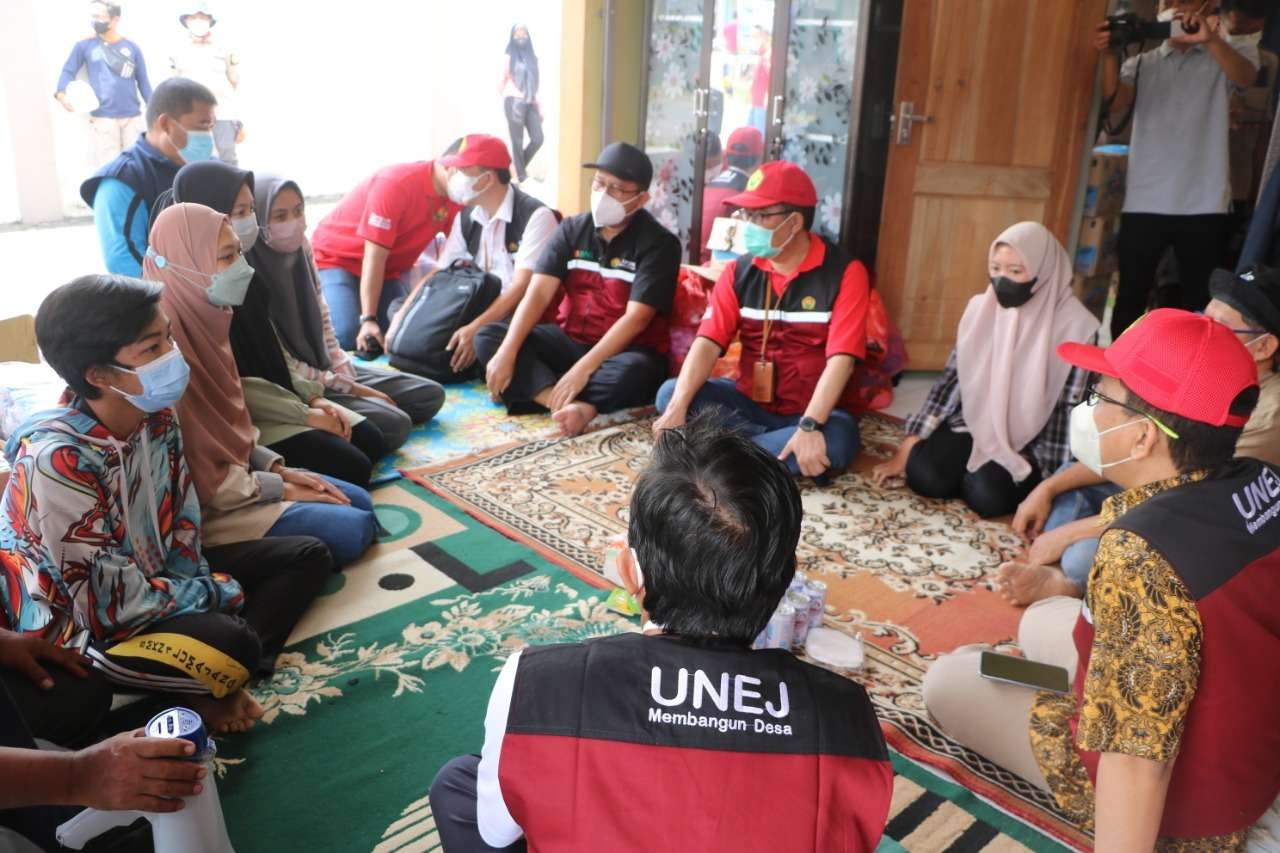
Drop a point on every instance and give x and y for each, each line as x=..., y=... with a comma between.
x=342, y=294
x=1071, y=506
x=770, y=431
x=347, y=530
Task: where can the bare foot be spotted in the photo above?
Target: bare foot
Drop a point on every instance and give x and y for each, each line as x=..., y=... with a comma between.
x=1023, y=584
x=573, y=418
x=234, y=713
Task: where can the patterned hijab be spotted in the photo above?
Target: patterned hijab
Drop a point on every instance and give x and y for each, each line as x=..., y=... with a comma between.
x=217, y=432
x=1010, y=375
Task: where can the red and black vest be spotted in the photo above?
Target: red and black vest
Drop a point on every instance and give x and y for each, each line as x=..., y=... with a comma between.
x=634, y=743
x=799, y=330
x=1222, y=537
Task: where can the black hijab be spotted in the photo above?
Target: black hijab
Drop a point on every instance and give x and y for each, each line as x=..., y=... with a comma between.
x=253, y=339
x=522, y=62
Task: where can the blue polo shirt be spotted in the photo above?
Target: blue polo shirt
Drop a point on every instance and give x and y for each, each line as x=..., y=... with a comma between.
x=117, y=95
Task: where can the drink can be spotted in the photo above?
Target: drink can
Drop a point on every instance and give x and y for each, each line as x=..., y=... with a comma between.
x=780, y=631
x=799, y=601
x=817, y=591
x=179, y=722
x=798, y=582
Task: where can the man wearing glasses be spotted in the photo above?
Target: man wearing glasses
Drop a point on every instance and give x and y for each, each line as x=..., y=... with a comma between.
x=1171, y=726
x=1066, y=505
x=800, y=307
x=590, y=334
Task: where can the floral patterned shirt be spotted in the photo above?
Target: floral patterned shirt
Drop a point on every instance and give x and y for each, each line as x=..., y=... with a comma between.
x=1143, y=670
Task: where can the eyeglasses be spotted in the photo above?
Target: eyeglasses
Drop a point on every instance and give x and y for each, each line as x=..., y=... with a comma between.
x=1093, y=396
x=758, y=216
x=1254, y=332
x=618, y=191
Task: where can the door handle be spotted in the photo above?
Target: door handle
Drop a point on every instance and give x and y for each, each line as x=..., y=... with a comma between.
x=906, y=118
x=697, y=103
x=777, y=111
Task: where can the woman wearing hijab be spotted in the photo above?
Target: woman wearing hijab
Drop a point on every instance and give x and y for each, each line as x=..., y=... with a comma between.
x=291, y=413
x=391, y=400
x=997, y=421
x=245, y=490
x=520, y=99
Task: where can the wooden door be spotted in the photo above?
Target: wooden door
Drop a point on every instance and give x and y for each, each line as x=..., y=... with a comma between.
x=1006, y=87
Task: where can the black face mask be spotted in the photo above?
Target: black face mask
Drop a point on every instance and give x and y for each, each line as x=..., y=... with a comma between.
x=101, y=27
x=1010, y=293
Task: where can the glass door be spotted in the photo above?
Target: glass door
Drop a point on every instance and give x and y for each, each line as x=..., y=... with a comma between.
x=814, y=100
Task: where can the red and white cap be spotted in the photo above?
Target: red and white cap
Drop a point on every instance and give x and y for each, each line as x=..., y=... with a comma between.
x=776, y=182
x=479, y=149
x=1180, y=362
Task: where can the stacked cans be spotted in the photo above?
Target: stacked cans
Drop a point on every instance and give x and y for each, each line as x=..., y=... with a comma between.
x=800, y=609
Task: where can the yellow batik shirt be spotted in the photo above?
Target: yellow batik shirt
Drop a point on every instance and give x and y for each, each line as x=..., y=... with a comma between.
x=1143, y=670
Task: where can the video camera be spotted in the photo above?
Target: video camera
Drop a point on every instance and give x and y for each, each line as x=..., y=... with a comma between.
x=1128, y=28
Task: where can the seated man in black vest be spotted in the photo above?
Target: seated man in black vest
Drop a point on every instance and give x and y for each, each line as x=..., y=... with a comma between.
x=800, y=307
x=680, y=737
x=122, y=193
x=1172, y=728
x=501, y=229
x=609, y=276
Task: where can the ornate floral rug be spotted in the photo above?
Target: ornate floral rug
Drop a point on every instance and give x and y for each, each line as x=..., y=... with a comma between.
x=914, y=576
x=389, y=675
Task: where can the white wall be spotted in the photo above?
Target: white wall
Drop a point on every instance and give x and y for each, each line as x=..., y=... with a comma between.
x=331, y=89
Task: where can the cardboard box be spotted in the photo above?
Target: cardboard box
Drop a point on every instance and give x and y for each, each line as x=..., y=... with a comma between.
x=1093, y=291
x=1096, y=251
x=1104, y=192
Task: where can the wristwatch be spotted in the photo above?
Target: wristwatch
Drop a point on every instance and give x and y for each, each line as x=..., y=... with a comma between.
x=368, y=318
x=808, y=424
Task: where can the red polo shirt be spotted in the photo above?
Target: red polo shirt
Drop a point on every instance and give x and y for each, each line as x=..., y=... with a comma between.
x=397, y=208
x=817, y=311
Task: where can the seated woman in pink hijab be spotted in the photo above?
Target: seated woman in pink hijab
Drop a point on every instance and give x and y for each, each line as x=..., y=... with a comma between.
x=997, y=421
x=245, y=490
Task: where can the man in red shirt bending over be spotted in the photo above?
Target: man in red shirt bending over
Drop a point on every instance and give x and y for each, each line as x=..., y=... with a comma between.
x=800, y=306
x=372, y=238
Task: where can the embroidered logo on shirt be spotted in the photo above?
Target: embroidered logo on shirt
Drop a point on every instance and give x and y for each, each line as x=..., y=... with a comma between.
x=512, y=246
x=615, y=263
x=582, y=253
x=441, y=214
x=376, y=221
x=808, y=303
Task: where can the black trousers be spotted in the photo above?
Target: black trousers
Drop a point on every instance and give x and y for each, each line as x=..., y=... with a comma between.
x=453, y=805
x=35, y=823
x=630, y=378
x=1197, y=243
x=326, y=453
x=523, y=116
x=936, y=468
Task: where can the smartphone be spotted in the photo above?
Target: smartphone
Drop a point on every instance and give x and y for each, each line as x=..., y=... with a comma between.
x=1024, y=673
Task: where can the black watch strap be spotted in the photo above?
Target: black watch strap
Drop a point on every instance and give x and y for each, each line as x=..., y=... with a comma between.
x=808, y=424
x=368, y=318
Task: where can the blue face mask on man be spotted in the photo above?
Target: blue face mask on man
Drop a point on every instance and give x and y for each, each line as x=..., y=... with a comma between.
x=758, y=240
x=199, y=146
x=163, y=382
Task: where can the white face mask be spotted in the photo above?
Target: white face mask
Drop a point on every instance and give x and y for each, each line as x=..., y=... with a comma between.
x=199, y=29
x=462, y=187
x=1086, y=439
x=606, y=210
x=1166, y=15
x=246, y=228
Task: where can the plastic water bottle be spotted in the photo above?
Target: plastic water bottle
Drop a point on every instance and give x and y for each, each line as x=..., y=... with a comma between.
x=197, y=828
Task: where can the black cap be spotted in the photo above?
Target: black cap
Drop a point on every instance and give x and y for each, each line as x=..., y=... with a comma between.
x=626, y=161
x=1254, y=292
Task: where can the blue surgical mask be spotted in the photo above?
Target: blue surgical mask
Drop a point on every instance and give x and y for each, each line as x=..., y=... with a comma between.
x=199, y=146
x=230, y=285
x=163, y=382
x=758, y=240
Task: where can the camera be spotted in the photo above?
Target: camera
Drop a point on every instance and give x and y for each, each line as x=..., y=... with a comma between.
x=1128, y=28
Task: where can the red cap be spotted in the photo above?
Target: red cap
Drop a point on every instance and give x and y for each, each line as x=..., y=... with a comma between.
x=746, y=142
x=1177, y=361
x=776, y=182
x=479, y=149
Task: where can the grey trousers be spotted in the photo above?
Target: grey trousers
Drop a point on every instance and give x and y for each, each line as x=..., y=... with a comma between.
x=417, y=401
x=225, y=132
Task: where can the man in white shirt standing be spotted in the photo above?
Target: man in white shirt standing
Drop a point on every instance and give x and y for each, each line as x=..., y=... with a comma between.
x=501, y=229
x=214, y=65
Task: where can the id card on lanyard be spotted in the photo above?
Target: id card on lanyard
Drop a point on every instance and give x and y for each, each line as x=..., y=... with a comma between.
x=763, y=374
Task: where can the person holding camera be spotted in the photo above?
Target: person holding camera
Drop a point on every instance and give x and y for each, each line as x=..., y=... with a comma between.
x=1178, y=188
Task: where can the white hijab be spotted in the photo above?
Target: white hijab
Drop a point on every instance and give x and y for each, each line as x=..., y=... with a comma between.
x=1010, y=375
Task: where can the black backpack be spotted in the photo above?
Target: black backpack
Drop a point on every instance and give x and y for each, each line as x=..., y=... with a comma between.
x=452, y=298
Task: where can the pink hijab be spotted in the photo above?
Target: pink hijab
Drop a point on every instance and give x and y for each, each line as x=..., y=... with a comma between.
x=217, y=433
x=1010, y=375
